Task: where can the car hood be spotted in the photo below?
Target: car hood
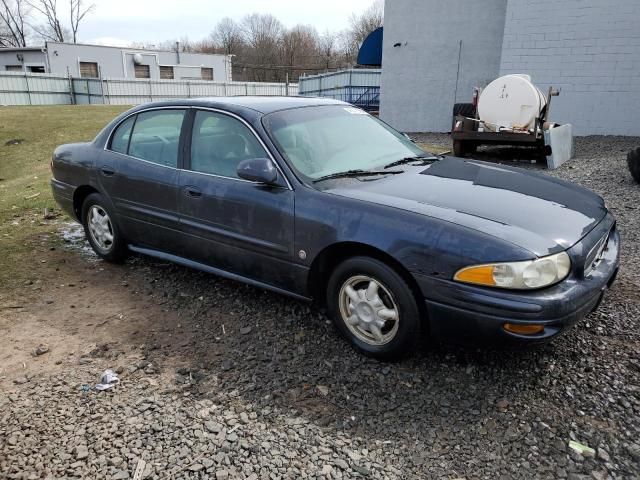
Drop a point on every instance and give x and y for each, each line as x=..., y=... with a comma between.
x=539, y=213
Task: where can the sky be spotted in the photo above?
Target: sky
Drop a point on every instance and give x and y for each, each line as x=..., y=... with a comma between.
x=119, y=22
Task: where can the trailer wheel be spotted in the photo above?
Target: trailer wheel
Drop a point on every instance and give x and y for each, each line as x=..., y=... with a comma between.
x=633, y=161
x=461, y=147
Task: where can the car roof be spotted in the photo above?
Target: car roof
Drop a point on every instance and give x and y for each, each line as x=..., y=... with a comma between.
x=261, y=104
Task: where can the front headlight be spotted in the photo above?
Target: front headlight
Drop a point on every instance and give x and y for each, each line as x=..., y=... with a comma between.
x=518, y=275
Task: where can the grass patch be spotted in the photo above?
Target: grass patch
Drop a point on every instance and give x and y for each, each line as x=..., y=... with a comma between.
x=433, y=148
x=28, y=136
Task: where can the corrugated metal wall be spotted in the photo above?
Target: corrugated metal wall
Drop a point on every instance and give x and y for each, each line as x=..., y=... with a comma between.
x=45, y=89
x=358, y=86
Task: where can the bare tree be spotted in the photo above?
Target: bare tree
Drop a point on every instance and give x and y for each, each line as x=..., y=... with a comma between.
x=328, y=48
x=13, y=23
x=52, y=29
x=298, y=50
x=228, y=36
x=361, y=25
x=79, y=10
x=262, y=33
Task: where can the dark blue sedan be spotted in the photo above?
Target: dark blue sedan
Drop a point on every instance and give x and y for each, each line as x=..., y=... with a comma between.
x=319, y=200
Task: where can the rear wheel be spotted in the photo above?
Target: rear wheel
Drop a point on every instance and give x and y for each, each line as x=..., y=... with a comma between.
x=101, y=230
x=374, y=308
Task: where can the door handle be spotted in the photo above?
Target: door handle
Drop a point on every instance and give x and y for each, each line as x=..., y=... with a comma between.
x=107, y=171
x=192, y=192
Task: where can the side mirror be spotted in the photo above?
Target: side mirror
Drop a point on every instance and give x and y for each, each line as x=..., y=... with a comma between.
x=259, y=170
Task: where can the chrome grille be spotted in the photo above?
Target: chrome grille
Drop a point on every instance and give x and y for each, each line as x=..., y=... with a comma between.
x=595, y=254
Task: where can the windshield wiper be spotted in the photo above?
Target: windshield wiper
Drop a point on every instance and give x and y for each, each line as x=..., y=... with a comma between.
x=356, y=173
x=417, y=158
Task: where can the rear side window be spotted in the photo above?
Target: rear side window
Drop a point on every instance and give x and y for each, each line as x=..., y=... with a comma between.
x=120, y=139
x=156, y=136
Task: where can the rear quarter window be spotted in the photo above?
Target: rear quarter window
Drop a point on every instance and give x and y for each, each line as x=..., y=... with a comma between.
x=120, y=138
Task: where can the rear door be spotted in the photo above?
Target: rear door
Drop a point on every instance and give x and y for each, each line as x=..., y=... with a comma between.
x=141, y=171
x=230, y=223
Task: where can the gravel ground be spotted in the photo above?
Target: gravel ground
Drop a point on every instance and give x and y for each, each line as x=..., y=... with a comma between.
x=248, y=384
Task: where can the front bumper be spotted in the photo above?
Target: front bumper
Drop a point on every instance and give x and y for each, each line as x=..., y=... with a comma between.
x=474, y=314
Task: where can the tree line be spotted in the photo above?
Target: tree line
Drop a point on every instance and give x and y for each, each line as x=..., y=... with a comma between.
x=263, y=48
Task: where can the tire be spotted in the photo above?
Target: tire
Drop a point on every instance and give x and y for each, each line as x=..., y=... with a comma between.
x=633, y=161
x=101, y=230
x=462, y=148
x=464, y=109
x=391, y=294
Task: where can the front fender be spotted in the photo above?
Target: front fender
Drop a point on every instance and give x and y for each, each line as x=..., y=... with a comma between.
x=423, y=245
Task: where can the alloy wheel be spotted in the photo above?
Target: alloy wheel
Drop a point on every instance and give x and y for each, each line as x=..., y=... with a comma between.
x=369, y=310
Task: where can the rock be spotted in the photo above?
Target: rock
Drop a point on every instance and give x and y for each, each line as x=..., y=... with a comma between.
x=120, y=475
x=326, y=470
x=245, y=330
x=196, y=467
x=81, y=452
x=21, y=380
x=603, y=455
x=634, y=451
x=212, y=427
x=362, y=470
x=502, y=404
x=41, y=349
x=341, y=463
x=324, y=391
x=222, y=475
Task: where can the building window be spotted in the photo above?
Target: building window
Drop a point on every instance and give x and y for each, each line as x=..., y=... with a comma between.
x=14, y=68
x=166, y=72
x=142, y=71
x=206, y=73
x=36, y=69
x=88, y=70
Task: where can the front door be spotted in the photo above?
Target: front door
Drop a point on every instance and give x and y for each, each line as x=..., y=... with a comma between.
x=142, y=175
x=232, y=224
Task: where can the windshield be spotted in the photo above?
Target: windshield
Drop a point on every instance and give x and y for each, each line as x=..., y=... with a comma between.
x=320, y=141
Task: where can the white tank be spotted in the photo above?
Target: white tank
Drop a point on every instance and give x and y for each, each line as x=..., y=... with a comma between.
x=511, y=101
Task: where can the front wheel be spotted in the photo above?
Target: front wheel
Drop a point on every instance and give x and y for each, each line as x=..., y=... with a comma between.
x=374, y=308
x=101, y=230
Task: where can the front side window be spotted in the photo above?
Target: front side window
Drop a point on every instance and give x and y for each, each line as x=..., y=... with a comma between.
x=220, y=142
x=319, y=141
x=156, y=136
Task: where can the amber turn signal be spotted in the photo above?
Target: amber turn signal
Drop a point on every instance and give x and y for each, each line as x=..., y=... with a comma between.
x=523, y=329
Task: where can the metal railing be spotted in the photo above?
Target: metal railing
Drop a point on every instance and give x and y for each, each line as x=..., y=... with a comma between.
x=45, y=89
x=360, y=87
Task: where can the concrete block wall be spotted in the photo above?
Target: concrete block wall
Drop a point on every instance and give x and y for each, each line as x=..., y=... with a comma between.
x=590, y=49
x=420, y=58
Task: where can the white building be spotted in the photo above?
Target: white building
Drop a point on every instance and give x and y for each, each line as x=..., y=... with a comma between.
x=97, y=61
